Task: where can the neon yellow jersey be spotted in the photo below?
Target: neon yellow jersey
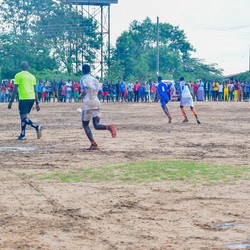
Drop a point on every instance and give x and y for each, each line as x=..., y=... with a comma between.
x=26, y=82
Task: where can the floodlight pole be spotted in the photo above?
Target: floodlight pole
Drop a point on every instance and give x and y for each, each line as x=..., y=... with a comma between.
x=102, y=17
x=157, y=49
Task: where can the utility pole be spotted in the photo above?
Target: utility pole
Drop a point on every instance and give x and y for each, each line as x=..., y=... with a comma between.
x=158, y=52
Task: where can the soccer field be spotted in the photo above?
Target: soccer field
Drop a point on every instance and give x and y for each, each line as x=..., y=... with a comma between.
x=156, y=186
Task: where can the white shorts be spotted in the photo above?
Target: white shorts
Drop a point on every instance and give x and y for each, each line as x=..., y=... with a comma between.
x=90, y=113
x=187, y=101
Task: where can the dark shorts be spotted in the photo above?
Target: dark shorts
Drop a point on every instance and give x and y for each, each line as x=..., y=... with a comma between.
x=25, y=106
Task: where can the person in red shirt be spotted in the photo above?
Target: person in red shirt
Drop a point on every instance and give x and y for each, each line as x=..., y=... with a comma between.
x=136, y=91
x=64, y=92
x=3, y=92
x=76, y=89
x=10, y=86
x=195, y=86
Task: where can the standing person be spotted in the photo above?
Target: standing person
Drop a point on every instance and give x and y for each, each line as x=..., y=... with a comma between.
x=60, y=84
x=25, y=83
x=231, y=90
x=147, y=91
x=54, y=86
x=69, y=91
x=211, y=95
x=117, y=91
x=207, y=91
x=186, y=99
x=163, y=90
x=91, y=107
x=39, y=90
x=226, y=91
x=153, y=92
x=122, y=88
x=76, y=89
x=130, y=91
x=220, y=92
x=216, y=90
x=200, y=90
x=3, y=92
x=248, y=90
x=64, y=92
x=136, y=91
x=105, y=91
x=195, y=86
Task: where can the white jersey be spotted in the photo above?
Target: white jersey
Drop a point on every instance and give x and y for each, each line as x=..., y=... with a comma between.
x=91, y=87
x=185, y=92
x=186, y=97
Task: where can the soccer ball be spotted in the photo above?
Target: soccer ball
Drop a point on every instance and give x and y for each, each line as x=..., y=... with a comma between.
x=79, y=110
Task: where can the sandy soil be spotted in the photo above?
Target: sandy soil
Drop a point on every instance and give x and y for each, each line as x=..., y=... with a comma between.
x=43, y=214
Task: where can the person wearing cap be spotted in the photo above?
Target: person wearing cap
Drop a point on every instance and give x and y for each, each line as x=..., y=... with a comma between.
x=25, y=84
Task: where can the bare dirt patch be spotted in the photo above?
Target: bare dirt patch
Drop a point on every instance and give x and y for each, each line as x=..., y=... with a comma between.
x=49, y=214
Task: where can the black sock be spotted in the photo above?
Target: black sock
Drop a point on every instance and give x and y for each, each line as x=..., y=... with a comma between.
x=29, y=122
x=23, y=128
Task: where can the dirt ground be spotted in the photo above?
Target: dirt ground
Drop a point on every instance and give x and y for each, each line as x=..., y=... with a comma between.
x=49, y=214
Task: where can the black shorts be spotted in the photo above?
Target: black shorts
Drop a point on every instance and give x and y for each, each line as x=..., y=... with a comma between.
x=25, y=106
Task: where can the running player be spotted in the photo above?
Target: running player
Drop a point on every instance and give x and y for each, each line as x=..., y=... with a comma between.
x=186, y=99
x=25, y=83
x=91, y=106
x=163, y=90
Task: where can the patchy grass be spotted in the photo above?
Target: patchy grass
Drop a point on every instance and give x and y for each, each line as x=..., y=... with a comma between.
x=153, y=171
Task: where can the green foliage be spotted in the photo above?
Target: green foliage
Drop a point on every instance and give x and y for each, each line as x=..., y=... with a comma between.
x=49, y=34
x=53, y=37
x=116, y=72
x=243, y=77
x=136, y=52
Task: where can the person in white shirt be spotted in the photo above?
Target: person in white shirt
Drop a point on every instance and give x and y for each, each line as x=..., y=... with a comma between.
x=187, y=99
x=91, y=106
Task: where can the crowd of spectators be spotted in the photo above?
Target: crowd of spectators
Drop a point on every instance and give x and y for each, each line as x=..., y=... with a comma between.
x=70, y=91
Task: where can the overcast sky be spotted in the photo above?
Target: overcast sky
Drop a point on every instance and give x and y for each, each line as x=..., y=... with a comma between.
x=219, y=30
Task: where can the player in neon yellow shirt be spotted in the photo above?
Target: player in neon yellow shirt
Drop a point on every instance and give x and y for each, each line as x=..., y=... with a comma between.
x=25, y=83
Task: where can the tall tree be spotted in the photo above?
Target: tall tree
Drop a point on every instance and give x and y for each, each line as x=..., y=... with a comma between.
x=49, y=34
x=136, y=51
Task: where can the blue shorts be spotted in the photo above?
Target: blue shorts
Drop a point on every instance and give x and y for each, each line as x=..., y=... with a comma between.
x=164, y=102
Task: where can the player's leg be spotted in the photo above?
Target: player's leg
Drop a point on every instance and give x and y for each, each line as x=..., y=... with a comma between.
x=111, y=128
x=88, y=132
x=86, y=117
x=184, y=114
x=165, y=110
x=24, y=109
x=195, y=114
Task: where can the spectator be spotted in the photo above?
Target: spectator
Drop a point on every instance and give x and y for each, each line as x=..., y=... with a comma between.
x=200, y=94
x=220, y=92
x=215, y=90
x=136, y=91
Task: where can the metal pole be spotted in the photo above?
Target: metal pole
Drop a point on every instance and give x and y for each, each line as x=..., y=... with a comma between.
x=108, y=36
x=158, y=53
x=102, y=42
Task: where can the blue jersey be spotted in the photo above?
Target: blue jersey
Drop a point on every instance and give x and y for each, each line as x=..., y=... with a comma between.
x=163, y=90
